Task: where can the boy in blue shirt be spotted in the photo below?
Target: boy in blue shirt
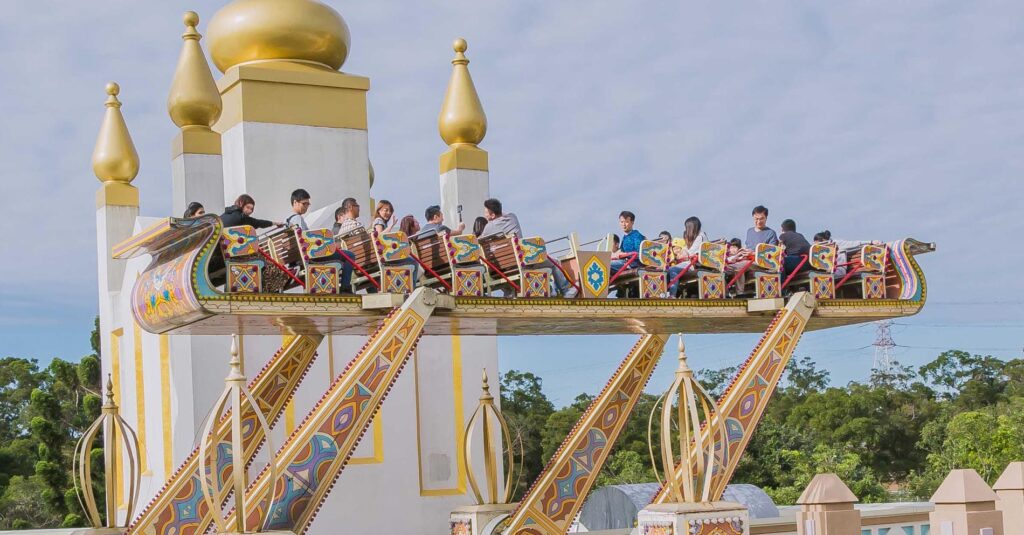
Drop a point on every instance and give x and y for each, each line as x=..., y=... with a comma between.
x=629, y=248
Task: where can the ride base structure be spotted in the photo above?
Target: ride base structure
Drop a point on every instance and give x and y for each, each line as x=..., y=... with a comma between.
x=380, y=375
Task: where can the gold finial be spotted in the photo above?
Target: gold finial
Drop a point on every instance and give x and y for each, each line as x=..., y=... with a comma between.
x=690, y=414
x=110, y=393
x=194, y=100
x=488, y=416
x=462, y=119
x=305, y=31
x=114, y=159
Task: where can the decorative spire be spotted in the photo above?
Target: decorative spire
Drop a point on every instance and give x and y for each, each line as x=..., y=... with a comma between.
x=109, y=404
x=487, y=415
x=462, y=119
x=194, y=100
x=114, y=159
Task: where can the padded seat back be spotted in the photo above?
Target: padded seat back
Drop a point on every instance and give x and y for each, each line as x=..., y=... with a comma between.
x=392, y=246
x=464, y=249
x=530, y=251
x=361, y=245
x=712, y=256
x=430, y=249
x=873, y=258
x=768, y=257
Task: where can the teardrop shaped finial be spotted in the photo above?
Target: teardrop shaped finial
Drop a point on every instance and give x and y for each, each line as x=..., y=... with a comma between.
x=110, y=390
x=486, y=388
x=114, y=159
x=235, y=374
x=683, y=365
x=194, y=100
x=462, y=119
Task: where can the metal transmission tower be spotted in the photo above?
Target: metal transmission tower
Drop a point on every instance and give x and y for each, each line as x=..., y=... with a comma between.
x=883, y=347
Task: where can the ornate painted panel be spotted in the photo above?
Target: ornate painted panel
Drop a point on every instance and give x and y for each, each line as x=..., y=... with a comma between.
x=397, y=279
x=531, y=251
x=323, y=278
x=823, y=285
x=652, y=284
x=594, y=273
x=710, y=285
x=873, y=286
x=767, y=285
x=712, y=256
x=536, y=283
x=468, y=281
x=654, y=255
x=238, y=241
x=245, y=277
x=464, y=249
x=822, y=257
x=768, y=257
x=872, y=258
x=393, y=246
x=315, y=244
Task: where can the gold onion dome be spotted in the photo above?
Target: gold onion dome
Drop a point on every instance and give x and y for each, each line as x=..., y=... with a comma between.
x=462, y=119
x=114, y=159
x=194, y=100
x=306, y=31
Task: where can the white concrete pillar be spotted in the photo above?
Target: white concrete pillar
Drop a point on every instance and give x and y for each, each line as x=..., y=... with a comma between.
x=1010, y=489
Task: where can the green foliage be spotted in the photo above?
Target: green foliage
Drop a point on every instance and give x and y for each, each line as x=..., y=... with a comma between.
x=526, y=409
x=42, y=415
x=803, y=466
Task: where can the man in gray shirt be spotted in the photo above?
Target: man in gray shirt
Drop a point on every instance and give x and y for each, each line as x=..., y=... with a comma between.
x=760, y=233
x=500, y=223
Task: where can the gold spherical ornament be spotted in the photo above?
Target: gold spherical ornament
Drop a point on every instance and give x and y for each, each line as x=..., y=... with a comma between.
x=296, y=30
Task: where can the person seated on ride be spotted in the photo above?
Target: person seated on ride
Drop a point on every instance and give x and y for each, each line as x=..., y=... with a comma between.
x=797, y=248
x=384, y=218
x=194, y=209
x=435, y=223
x=409, y=225
x=736, y=257
x=478, y=225
x=240, y=213
x=760, y=232
x=628, y=254
x=300, y=205
x=842, y=246
x=346, y=217
x=500, y=223
x=693, y=237
x=616, y=243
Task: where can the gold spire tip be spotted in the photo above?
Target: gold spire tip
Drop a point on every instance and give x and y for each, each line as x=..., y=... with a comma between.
x=194, y=101
x=460, y=45
x=110, y=388
x=114, y=159
x=113, y=89
x=462, y=120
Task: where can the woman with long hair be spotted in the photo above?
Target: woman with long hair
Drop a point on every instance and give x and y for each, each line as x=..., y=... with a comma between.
x=384, y=217
x=409, y=225
x=240, y=213
x=194, y=209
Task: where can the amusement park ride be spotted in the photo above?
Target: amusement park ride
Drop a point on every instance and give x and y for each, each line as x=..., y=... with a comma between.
x=185, y=286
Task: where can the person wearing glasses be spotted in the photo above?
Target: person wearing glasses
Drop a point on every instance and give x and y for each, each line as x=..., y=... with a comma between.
x=300, y=205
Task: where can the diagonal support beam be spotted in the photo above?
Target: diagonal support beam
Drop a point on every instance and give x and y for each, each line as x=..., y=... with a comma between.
x=178, y=509
x=744, y=401
x=315, y=455
x=551, y=504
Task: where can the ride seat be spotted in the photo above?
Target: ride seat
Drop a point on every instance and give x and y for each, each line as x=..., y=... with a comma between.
x=242, y=260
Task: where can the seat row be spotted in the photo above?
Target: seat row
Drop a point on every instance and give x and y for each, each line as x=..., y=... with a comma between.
x=464, y=265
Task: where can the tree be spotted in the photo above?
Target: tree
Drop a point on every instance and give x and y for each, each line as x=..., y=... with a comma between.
x=715, y=381
x=847, y=465
x=526, y=409
x=972, y=380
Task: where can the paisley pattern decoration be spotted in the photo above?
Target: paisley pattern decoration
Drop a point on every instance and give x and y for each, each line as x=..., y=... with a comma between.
x=716, y=526
x=712, y=255
x=768, y=257
x=822, y=257
x=318, y=450
x=872, y=258
x=595, y=276
x=557, y=495
x=531, y=251
x=873, y=286
x=536, y=283
x=767, y=285
x=315, y=244
x=912, y=282
x=179, y=508
x=654, y=255
x=823, y=285
x=393, y=246
x=464, y=249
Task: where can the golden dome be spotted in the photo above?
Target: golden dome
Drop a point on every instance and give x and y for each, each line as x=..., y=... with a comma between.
x=298, y=30
x=462, y=119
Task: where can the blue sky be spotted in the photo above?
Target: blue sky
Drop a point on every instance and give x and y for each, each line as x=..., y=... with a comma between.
x=875, y=120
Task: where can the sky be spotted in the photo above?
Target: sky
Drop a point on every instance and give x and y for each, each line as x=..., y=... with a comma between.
x=874, y=120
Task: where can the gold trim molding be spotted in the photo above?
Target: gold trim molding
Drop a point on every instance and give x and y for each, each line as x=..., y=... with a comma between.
x=464, y=157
